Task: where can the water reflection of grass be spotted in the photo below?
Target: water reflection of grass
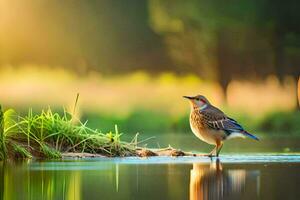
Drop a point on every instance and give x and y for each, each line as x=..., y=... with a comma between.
x=42, y=180
x=40, y=184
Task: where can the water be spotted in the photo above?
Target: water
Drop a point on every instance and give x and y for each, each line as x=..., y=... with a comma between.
x=232, y=177
x=240, y=173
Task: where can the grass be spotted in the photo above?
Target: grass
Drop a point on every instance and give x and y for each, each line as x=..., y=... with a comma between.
x=48, y=134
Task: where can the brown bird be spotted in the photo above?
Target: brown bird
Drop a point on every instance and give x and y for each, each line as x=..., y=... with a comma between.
x=211, y=125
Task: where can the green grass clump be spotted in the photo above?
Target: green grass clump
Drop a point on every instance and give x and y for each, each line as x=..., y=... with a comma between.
x=6, y=125
x=20, y=151
x=48, y=134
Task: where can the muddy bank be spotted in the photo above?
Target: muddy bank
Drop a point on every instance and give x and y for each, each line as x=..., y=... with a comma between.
x=140, y=152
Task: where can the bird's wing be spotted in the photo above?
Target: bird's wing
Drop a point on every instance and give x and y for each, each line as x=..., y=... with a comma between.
x=216, y=119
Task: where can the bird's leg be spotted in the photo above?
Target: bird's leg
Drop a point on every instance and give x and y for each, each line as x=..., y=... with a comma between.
x=219, y=147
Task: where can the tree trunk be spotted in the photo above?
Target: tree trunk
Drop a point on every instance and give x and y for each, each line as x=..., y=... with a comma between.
x=224, y=65
x=279, y=54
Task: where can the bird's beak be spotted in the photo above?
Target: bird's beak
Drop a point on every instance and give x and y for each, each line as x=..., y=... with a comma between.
x=187, y=97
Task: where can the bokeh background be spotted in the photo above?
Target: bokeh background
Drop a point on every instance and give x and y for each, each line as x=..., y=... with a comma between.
x=131, y=61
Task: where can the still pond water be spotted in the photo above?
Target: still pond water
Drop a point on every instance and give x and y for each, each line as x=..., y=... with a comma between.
x=235, y=175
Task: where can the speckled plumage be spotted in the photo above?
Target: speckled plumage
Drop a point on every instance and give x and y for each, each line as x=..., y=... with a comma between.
x=205, y=125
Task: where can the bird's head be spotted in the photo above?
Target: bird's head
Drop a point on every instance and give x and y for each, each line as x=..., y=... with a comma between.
x=198, y=101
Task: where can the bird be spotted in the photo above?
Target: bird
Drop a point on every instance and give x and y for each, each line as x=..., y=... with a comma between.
x=213, y=126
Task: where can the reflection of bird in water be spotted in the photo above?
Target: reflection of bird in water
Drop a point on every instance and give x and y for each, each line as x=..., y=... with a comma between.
x=211, y=125
x=211, y=182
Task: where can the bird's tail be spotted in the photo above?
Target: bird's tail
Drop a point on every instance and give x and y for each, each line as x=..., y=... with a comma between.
x=250, y=135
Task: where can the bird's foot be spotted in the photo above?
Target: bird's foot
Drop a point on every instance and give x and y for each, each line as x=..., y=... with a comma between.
x=205, y=155
x=211, y=155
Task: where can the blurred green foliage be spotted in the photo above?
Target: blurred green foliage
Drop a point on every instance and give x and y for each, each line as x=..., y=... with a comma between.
x=153, y=122
x=137, y=121
x=281, y=122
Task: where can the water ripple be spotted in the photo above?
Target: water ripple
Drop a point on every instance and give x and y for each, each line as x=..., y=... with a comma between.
x=107, y=163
